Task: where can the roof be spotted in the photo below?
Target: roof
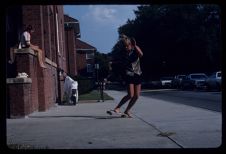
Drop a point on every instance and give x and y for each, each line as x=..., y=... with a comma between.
x=83, y=46
x=67, y=18
x=70, y=22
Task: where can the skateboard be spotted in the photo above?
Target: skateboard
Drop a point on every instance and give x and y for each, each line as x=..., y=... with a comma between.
x=112, y=112
x=122, y=115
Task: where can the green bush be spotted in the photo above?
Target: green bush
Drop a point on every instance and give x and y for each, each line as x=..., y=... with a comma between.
x=85, y=84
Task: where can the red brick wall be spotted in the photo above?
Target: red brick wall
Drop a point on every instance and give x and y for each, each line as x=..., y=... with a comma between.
x=50, y=88
x=44, y=81
x=46, y=25
x=20, y=100
x=43, y=19
x=71, y=51
x=62, y=61
x=28, y=63
x=81, y=61
x=61, y=30
x=34, y=75
x=44, y=88
x=61, y=35
x=41, y=90
x=32, y=15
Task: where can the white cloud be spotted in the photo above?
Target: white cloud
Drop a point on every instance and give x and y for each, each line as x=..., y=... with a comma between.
x=99, y=23
x=103, y=15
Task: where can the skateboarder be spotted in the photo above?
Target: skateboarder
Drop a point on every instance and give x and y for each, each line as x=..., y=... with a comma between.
x=132, y=76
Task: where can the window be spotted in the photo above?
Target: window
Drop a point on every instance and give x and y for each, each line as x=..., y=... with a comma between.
x=89, y=68
x=89, y=55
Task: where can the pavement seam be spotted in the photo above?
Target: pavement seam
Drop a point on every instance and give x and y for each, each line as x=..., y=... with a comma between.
x=158, y=130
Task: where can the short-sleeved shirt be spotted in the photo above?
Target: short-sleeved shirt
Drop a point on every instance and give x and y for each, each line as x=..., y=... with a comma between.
x=25, y=39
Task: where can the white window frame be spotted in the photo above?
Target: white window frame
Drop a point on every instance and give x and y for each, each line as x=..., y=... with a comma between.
x=91, y=54
x=89, y=68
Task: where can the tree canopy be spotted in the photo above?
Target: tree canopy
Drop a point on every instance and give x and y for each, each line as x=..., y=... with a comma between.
x=103, y=61
x=175, y=39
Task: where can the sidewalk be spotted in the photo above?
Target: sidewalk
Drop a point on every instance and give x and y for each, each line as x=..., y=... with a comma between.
x=156, y=124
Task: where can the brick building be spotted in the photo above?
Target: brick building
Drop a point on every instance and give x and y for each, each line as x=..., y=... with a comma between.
x=42, y=89
x=85, y=58
x=72, y=32
x=57, y=35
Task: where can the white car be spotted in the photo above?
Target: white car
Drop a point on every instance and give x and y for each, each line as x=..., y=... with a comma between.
x=166, y=81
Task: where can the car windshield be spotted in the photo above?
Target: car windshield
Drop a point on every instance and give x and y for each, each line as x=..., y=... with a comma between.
x=166, y=78
x=181, y=76
x=198, y=76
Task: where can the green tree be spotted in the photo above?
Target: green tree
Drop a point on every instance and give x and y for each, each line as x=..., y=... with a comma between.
x=103, y=61
x=176, y=38
x=117, y=61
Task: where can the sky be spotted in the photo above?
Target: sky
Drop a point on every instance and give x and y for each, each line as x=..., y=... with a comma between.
x=99, y=23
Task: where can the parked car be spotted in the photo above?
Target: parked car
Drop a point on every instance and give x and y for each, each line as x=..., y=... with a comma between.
x=194, y=81
x=151, y=85
x=156, y=84
x=166, y=82
x=214, y=81
x=176, y=82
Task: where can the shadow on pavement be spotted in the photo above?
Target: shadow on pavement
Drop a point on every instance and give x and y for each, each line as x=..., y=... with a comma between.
x=78, y=116
x=66, y=104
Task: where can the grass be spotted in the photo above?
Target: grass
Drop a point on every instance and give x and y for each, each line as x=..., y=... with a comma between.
x=94, y=95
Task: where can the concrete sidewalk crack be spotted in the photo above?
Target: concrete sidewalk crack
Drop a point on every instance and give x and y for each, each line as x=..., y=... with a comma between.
x=163, y=134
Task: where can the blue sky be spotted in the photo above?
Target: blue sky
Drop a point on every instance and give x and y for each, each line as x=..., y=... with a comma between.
x=99, y=23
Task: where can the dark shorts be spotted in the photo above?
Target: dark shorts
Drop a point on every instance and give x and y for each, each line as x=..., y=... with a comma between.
x=136, y=79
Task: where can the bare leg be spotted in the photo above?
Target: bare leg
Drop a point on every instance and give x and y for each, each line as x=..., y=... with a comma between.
x=137, y=90
x=122, y=102
x=40, y=58
x=125, y=98
x=12, y=55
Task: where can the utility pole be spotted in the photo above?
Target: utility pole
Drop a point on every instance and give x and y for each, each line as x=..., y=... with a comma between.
x=99, y=83
x=97, y=71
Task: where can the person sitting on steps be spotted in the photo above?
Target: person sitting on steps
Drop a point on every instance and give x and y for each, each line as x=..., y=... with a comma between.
x=25, y=42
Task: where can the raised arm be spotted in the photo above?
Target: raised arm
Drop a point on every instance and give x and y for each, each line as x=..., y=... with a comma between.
x=137, y=48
